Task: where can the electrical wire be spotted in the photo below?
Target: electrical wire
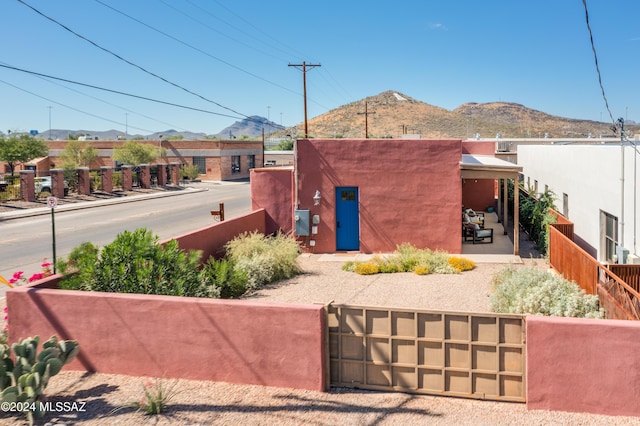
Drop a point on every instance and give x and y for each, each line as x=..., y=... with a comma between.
x=127, y=61
x=595, y=56
x=124, y=93
x=194, y=47
x=72, y=108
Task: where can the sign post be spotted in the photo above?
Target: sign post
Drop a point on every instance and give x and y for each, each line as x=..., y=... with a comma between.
x=53, y=203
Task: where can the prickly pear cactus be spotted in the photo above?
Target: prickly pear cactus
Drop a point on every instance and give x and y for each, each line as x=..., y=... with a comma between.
x=24, y=378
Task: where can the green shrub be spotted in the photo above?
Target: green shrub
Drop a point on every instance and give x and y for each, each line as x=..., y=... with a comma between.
x=221, y=279
x=534, y=291
x=264, y=259
x=135, y=263
x=348, y=266
x=366, y=268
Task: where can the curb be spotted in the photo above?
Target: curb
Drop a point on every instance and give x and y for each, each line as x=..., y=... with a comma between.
x=39, y=211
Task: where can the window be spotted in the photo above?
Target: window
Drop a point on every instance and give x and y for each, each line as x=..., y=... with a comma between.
x=201, y=162
x=608, y=236
x=251, y=161
x=235, y=164
x=565, y=205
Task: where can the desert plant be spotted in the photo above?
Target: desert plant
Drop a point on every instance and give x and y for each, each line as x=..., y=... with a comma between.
x=461, y=263
x=135, y=263
x=263, y=258
x=189, y=171
x=222, y=279
x=25, y=378
x=421, y=270
x=156, y=397
x=535, y=291
x=366, y=268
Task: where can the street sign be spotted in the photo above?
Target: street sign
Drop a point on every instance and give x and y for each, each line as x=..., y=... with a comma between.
x=33, y=132
x=52, y=202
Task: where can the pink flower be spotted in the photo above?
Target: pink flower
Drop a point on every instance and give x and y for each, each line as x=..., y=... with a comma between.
x=46, y=265
x=17, y=275
x=36, y=277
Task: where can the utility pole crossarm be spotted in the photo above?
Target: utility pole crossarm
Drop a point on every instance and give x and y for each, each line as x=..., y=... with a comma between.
x=303, y=67
x=366, y=119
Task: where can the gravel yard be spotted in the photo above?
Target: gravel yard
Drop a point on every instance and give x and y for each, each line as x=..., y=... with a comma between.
x=108, y=397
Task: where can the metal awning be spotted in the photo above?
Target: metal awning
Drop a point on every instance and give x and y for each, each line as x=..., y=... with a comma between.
x=473, y=166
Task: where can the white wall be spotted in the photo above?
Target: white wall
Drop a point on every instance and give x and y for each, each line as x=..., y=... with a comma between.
x=591, y=176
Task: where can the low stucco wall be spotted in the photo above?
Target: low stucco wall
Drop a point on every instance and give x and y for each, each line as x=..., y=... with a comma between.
x=212, y=239
x=583, y=365
x=272, y=190
x=167, y=336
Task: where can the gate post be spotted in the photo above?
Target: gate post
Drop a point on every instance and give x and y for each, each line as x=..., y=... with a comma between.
x=27, y=185
x=107, y=179
x=127, y=182
x=84, y=181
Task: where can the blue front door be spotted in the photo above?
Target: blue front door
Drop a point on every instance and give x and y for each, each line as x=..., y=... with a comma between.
x=347, y=218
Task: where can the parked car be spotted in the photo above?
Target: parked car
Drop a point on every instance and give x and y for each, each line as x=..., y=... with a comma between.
x=43, y=184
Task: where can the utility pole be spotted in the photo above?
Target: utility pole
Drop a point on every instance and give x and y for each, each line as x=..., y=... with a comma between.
x=303, y=66
x=366, y=119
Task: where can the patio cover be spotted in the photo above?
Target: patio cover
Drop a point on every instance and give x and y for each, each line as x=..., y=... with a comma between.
x=473, y=166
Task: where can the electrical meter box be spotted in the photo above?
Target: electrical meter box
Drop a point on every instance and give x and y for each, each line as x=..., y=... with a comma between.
x=301, y=219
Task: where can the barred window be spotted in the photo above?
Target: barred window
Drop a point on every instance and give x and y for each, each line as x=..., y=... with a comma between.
x=235, y=164
x=201, y=162
x=251, y=161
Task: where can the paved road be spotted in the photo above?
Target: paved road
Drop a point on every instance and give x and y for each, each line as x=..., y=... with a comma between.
x=25, y=242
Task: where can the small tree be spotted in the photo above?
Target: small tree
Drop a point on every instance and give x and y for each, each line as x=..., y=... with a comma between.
x=135, y=153
x=21, y=149
x=78, y=154
x=285, y=145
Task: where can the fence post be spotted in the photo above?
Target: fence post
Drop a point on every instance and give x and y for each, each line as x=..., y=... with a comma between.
x=106, y=173
x=127, y=183
x=57, y=183
x=84, y=181
x=145, y=176
x=162, y=174
x=27, y=185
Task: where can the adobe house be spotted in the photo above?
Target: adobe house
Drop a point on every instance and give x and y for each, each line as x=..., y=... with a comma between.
x=369, y=195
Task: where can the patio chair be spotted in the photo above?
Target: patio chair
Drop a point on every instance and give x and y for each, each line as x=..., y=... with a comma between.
x=478, y=234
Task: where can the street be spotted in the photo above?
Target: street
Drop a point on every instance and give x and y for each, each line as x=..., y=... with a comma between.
x=26, y=242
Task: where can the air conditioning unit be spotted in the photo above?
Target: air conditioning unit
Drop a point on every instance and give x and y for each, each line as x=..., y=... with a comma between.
x=633, y=259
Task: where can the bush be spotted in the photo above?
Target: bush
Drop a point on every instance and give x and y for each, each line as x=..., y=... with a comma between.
x=222, y=279
x=533, y=291
x=421, y=270
x=264, y=259
x=461, y=263
x=366, y=268
x=135, y=263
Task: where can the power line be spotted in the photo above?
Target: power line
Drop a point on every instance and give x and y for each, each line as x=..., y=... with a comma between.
x=192, y=46
x=70, y=107
x=127, y=61
x=123, y=93
x=595, y=56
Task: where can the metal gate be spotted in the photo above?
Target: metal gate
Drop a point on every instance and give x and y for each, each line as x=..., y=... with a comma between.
x=432, y=352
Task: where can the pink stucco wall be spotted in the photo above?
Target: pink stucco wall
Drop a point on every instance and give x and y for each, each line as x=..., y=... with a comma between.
x=165, y=336
x=272, y=190
x=478, y=194
x=212, y=239
x=409, y=190
x=583, y=365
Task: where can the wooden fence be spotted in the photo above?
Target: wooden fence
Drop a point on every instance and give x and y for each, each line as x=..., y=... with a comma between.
x=617, y=287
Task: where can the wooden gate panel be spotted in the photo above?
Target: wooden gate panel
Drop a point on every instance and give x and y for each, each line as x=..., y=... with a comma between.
x=444, y=353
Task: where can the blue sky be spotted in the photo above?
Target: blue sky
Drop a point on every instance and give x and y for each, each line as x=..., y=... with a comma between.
x=235, y=55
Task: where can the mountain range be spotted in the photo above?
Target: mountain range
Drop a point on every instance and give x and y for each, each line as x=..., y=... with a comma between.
x=391, y=114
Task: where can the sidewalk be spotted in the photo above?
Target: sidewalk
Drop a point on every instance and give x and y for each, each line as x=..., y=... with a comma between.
x=20, y=209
